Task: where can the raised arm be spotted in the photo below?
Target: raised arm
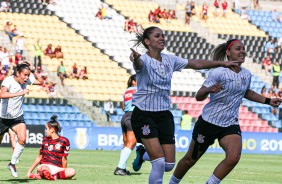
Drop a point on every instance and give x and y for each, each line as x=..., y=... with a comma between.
x=255, y=97
x=135, y=58
x=38, y=79
x=207, y=64
x=35, y=163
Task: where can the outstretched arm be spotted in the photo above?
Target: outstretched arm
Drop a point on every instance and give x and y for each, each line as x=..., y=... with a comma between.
x=206, y=64
x=35, y=163
x=253, y=96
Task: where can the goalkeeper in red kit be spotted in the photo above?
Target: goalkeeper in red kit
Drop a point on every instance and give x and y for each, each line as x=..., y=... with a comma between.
x=53, y=155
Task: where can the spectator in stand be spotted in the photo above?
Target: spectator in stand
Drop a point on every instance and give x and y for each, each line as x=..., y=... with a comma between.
x=173, y=14
x=105, y=12
x=244, y=14
x=38, y=53
x=130, y=26
x=83, y=73
x=58, y=52
x=188, y=13
x=164, y=14
x=186, y=121
x=272, y=94
x=109, y=109
x=15, y=30
x=263, y=91
x=156, y=19
x=5, y=6
x=157, y=11
x=279, y=93
x=18, y=58
x=216, y=8
x=99, y=14
x=8, y=31
x=151, y=16
x=276, y=17
x=74, y=73
x=270, y=47
x=5, y=59
x=279, y=42
x=204, y=13
x=267, y=65
x=139, y=28
x=224, y=7
x=51, y=91
x=20, y=43
x=256, y=4
x=49, y=51
x=276, y=74
x=62, y=73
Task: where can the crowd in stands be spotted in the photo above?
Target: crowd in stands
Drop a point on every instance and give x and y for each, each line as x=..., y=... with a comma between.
x=56, y=53
x=5, y=6
x=158, y=13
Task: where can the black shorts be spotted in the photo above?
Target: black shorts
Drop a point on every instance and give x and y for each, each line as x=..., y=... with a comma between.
x=205, y=133
x=5, y=124
x=126, y=122
x=146, y=125
x=189, y=14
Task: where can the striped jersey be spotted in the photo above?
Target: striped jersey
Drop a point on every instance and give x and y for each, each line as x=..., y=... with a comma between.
x=223, y=108
x=127, y=98
x=154, y=81
x=53, y=150
x=11, y=108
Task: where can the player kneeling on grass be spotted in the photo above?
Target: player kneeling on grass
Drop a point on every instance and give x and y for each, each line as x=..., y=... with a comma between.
x=53, y=155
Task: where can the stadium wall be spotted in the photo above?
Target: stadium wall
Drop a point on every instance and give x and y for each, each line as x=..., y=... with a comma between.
x=108, y=138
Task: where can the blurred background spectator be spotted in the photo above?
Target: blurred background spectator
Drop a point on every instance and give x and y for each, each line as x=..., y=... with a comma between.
x=186, y=121
x=37, y=54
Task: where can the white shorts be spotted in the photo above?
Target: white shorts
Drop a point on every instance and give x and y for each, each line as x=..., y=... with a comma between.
x=53, y=169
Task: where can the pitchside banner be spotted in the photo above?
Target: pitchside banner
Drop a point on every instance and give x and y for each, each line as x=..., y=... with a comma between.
x=106, y=138
x=34, y=136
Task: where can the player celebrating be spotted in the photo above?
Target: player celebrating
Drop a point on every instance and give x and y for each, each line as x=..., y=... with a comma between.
x=12, y=93
x=53, y=155
x=127, y=132
x=219, y=120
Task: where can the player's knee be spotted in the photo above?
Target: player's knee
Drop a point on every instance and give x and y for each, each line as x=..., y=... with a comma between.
x=70, y=172
x=169, y=166
x=233, y=160
x=159, y=164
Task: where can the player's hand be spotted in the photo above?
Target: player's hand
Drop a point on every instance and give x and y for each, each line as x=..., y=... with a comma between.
x=134, y=55
x=234, y=65
x=25, y=91
x=215, y=88
x=275, y=102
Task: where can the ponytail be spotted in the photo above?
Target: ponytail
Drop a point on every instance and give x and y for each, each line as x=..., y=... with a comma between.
x=219, y=53
x=140, y=38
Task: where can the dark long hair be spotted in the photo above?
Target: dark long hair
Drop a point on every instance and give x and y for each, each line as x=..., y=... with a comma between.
x=53, y=123
x=20, y=67
x=140, y=38
x=131, y=78
x=219, y=53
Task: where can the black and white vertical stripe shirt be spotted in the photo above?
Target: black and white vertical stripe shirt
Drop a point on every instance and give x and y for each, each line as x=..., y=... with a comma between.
x=11, y=108
x=223, y=108
x=154, y=82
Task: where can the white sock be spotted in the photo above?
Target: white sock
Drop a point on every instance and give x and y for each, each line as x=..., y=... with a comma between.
x=124, y=154
x=213, y=180
x=146, y=157
x=17, y=153
x=174, y=180
x=157, y=172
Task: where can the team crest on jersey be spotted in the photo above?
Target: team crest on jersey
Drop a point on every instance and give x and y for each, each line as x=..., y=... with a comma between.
x=146, y=130
x=244, y=81
x=50, y=147
x=238, y=83
x=58, y=146
x=201, y=138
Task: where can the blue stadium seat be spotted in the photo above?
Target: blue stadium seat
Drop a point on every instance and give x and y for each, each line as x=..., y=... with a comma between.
x=75, y=109
x=119, y=111
x=39, y=108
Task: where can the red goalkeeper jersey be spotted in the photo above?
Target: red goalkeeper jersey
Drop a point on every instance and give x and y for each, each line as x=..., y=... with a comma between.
x=53, y=150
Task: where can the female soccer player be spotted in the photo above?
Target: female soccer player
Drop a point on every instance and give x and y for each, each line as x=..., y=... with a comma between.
x=219, y=120
x=53, y=155
x=127, y=132
x=12, y=93
x=151, y=120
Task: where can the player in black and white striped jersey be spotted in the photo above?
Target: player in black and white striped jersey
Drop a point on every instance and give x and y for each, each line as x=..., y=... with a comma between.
x=13, y=90
x=219, y=119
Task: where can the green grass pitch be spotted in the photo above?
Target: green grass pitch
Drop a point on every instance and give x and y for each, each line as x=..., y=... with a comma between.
x=97, y=167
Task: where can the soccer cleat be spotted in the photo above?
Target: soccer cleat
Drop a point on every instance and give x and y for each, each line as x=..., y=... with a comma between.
x=138, y=161
x=121, y=172
x=47, y=175
x=12, y=168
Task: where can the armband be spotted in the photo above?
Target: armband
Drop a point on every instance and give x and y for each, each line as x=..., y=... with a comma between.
x=267, y=101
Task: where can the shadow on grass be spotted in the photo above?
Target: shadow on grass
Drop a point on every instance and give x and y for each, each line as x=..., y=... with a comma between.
x=135, y=174
x=16, y=180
